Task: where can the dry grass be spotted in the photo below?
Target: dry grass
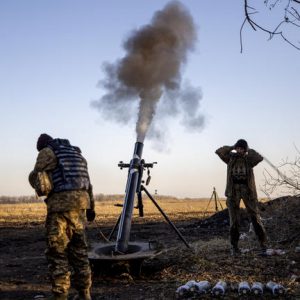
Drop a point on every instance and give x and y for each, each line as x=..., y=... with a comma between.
x=108, y=211
x=22, y=212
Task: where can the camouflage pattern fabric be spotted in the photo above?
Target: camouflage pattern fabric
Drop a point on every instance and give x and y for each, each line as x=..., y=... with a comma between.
x=251, y=160
x=239, y=171
x=66, y=243
x=247, y=192
x=67, y=247
x=68, y=200
x=241, y=191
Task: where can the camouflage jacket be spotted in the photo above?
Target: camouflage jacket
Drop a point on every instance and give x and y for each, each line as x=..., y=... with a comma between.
x=61, y=201
x=252, y=158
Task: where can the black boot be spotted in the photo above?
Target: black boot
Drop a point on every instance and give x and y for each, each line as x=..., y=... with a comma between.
x=57, y=296
x=235, y=250
x=83, y=295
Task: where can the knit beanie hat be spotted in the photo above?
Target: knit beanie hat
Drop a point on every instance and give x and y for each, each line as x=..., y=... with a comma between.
x=42, y=141
x=242, y=144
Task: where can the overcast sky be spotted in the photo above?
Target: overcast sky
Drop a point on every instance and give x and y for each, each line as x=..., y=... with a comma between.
x=51, y=58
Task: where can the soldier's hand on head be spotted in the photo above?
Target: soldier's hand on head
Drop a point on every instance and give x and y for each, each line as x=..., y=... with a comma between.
x=90, y=215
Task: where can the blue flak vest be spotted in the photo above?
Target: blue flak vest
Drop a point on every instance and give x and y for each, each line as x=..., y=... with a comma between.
x=71, y=172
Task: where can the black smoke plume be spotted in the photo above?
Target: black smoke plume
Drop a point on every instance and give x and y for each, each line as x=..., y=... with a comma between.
x=151, y=69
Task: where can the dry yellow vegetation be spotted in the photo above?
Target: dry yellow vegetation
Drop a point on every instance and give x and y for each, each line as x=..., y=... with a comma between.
x=107, y=211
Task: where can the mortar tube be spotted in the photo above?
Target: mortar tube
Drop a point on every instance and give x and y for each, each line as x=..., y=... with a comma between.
x=131, y=186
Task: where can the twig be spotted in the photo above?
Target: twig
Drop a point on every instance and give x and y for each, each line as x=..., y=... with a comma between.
x=291, y=10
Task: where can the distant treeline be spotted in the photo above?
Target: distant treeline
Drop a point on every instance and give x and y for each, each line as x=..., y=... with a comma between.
x=34, y=199
x=18, y=199
x=98, y=198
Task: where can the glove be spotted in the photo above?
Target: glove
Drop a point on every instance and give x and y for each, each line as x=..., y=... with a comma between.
x=90, y=215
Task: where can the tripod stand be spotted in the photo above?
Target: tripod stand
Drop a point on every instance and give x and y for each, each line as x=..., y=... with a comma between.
x=214, y=196
x=141, y=214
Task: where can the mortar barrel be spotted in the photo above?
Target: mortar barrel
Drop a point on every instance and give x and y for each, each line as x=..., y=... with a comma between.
x=131, y=187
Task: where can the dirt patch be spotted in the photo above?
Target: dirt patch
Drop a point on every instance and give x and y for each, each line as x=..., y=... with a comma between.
x=24, y=274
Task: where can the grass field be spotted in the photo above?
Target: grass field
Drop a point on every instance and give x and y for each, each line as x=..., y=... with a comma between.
x=107, y=211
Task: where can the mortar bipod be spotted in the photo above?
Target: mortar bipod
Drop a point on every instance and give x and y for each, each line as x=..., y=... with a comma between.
x=141, y=188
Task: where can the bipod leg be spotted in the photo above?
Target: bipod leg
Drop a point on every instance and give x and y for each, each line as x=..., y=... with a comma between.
x=221, y=204
x=114, y=229
x=208, y=204
x=216, y=202
x=165, y=216
x=140, y=204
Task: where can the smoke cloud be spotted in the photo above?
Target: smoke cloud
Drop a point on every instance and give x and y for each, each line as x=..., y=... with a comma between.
x=150, y=72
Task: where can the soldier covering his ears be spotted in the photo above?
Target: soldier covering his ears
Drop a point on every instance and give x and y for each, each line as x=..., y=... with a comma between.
x=240, y=162
x=69, y=202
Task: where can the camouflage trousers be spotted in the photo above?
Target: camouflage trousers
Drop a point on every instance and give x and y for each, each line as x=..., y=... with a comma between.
x=241, y=191
x=67, y=251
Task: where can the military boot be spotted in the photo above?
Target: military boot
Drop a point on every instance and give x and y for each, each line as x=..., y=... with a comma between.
x=263, y=251
x=57, y=296
x=83, y=295
x=235, y=251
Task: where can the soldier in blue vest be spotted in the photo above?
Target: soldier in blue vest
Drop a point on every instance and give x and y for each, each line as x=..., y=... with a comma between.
x=69, y=203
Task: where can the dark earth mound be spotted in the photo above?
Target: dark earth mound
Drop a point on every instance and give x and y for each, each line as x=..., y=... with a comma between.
x=24, y=275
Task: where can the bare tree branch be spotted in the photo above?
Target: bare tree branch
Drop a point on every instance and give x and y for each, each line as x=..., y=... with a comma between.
x=298, y=48
x=291, y=17
x=287, y=177
x=241, y=41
